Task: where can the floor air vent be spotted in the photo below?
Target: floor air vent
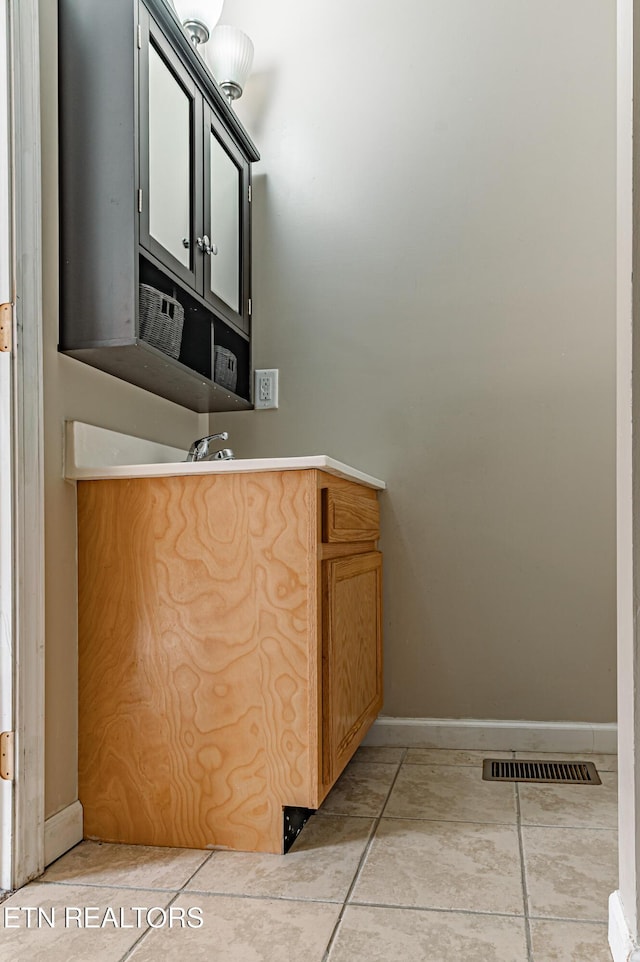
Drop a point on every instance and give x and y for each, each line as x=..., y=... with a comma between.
x=522, y=770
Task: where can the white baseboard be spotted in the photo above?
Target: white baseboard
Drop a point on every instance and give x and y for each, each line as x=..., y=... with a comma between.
x=62, y=831
x=524, y=736
x=623, y=948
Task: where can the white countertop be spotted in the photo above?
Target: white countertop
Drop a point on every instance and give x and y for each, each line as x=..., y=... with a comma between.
x=238, y=466
x=86, y=443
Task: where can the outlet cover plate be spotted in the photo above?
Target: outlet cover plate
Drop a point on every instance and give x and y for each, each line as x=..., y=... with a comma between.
x=265, y=389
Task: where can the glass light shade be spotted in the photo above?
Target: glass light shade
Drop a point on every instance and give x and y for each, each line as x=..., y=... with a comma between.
x=230, y=56
x=201, y=11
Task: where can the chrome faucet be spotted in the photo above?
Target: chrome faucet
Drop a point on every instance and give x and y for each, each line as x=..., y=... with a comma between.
x=199, y=450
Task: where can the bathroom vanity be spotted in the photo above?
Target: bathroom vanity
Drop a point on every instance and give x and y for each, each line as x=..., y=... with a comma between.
x=230, y=649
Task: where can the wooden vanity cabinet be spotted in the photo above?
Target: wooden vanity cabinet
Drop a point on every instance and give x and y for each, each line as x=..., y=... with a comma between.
x=230, y=651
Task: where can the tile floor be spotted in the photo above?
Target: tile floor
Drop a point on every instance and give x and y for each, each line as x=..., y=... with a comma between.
x=412, y=858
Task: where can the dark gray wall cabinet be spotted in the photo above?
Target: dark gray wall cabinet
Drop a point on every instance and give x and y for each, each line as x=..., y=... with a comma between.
x=155, y=189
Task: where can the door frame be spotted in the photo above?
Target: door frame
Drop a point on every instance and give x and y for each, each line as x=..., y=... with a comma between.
x=6, y=540
x=21, y=456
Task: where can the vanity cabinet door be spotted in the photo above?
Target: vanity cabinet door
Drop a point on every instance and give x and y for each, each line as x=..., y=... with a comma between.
x=352, y=654
x=170, y=199
x=226, y=224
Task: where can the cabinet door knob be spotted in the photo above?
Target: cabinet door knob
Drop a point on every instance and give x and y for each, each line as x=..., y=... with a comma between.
x=185, y=242
x=204, y=244
x=207, y=246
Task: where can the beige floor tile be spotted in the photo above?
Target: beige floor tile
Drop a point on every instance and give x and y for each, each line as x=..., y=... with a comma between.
x=66, y=941
x=404, y=935
x=320, y=865
x=569, y=942
x=385, y=755
x=454, y=794
x=450, y=756
x=134, y=866
x=570, y=872
x=362, y=789
x=244, y=930
x=443, y=865
x=604, y=763
x=580, y=806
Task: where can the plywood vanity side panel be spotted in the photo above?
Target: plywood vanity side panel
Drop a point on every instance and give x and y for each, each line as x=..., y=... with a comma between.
x=196, y=605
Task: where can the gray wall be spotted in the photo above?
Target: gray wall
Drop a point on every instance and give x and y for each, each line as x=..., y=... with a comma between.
x=435, y=279
x=74, y=390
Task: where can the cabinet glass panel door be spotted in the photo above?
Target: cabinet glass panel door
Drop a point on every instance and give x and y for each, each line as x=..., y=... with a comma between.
x=225, y=182
x=170, y=161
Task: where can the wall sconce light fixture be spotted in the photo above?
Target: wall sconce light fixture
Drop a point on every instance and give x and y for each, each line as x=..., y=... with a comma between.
x=198, y=17
x=230, y=56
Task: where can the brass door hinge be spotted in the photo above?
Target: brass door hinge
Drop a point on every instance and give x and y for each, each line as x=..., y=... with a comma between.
x=6, y=327
x=6, y=756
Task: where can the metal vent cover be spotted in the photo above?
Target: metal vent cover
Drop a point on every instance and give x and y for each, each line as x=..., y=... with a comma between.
x=530, y=770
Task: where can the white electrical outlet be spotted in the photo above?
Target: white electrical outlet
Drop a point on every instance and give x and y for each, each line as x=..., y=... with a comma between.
x=265, y=389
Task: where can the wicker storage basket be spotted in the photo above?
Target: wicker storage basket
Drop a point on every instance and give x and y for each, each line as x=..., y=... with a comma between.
x=161, y=320
x=225, y=368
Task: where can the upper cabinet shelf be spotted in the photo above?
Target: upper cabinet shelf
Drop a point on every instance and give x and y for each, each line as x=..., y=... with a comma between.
x=155, y=183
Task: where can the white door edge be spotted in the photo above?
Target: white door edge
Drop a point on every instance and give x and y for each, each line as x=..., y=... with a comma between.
x=6, y=537
x=22, y=458
x=6, y=615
